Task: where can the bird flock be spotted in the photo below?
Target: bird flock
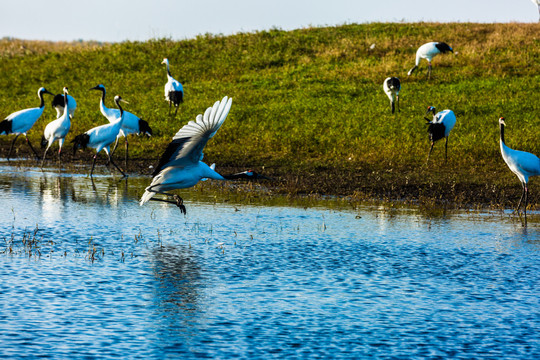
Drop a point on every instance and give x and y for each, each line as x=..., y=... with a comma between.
x=181, y=166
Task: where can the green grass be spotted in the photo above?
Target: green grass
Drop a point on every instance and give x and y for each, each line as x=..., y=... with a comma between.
x=308, y=104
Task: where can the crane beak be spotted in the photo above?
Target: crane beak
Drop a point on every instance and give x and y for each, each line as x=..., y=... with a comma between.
x=94, y=88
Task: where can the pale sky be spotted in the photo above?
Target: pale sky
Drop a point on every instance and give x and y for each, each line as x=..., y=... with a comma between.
x=139, y=20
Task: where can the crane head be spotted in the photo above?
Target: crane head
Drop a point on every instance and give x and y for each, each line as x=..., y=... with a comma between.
x=501, y=121
x=42, y=90
x=431, y=109
x=98, y=87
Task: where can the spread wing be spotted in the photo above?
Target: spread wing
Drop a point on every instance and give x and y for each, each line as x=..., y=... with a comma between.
x=187, y=145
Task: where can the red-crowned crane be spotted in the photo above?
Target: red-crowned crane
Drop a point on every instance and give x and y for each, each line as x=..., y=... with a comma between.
x=181, y=166
x=132, y=123
x=439, y=127
x=174, y=92
x=57, y=129
x=101, y=137
x=521, y=163
x=429, y=51
x=59, y=102
x=391, y=87
x=21, y=122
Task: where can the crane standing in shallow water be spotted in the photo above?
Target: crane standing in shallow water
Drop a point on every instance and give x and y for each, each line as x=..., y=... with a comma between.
x=521, y=163
x=439, y=127
x=20, y=122
x=181, y=166
x=101, y=137
x=132, y=124
x=59, y=102
x=428, y=51
x=57, y=129
x=174, y=92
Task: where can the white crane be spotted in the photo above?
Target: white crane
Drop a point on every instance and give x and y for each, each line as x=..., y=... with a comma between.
x=181, y=166
x=174, y=92
x=20, y=122
x=391, y=87
x=439, y=127
x=58, y=103
x=428, y=51
x=521, y=163
x=101, y=137
x=537, y=3
x=57, y=129
x=132, y=123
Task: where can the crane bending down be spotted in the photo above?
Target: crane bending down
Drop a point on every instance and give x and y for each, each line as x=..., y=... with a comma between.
x=59, y=102
x=132, y=123
x=101, y=137
x=391, y=87
x=174, y=92
x=439, y=127
x=428, y=51
x=521, y=163
x=20, y=122
x=57, y=129
x=181, y=166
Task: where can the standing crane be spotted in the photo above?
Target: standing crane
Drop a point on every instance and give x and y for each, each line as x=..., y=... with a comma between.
x=181, y=166
x=521, y=163
x=174, y=92
x=20, y=122
x=428, y=51
x=439, y=127
x=132, y=123
x=101, y=137
x=57, y=129
x=391, y=87
x=537, y=2
x=59, y=102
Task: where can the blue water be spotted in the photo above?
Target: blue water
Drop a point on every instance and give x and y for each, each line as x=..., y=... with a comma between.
x=99, y=276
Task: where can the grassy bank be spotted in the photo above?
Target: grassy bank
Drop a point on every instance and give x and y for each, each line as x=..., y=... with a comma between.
x=308, y=105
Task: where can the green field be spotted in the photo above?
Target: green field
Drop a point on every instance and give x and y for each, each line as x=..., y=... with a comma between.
x=308, y=106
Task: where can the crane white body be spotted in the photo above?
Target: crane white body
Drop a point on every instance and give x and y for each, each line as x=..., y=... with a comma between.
x=391, y=87
x=521, y=163
x=537, y=3
x=57, y=129
x=20, y=122
x=58, y=103
x=181, y=164
x=428, y=51
x=439, y=127
x=101, y=137
x=174, y=91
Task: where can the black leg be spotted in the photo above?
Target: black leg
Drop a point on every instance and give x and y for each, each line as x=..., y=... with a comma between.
x=116, y=166
x=93, y=164
x=522, y=196
x=31, y=147
x=44, y=156
x=429, y=71
x=11, y=147
x=178, y=201
x=430, y=150
x=446, y=150
x=393, y=106
x=397, y=99
x=115, y=146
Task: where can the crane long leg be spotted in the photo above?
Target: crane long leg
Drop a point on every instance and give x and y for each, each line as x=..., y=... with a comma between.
x=178, y=201
x=446, y=150
x=116, y=166
x=93, y=164
x=11, y=147
x=44, y=156
x=115, y=146
x=170, y=103
x=430, y=150
x=31, y=147
x=397, y=100
x=175, y=111
x=429, y=71
x=127, y=155
x=393, y=106
x=522, y=196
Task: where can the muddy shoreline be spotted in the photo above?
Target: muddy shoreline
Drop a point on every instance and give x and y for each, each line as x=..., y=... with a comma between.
x=410, y=186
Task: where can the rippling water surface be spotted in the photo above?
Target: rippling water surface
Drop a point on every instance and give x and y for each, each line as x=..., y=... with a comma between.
x=86, y=272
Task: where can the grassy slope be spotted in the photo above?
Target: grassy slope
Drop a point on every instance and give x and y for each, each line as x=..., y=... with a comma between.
x=308, y=104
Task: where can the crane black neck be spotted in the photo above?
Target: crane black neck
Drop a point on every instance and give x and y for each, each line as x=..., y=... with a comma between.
x=501, y=125
x=42, y=101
